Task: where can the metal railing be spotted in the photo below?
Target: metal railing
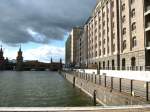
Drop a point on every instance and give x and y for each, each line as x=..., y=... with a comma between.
x=129, y=68
x=132, y=87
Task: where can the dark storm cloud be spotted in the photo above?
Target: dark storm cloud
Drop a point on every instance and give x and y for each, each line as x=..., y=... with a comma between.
x=47, y=19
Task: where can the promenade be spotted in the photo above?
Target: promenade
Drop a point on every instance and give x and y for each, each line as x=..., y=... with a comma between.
x=136, y=108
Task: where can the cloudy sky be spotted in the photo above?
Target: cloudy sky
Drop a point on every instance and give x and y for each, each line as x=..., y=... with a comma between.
x=40, y=26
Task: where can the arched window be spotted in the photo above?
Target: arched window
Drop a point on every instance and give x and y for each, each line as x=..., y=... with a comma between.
x=124, y=31
x=124, y=45
x=103, y=64
x=134, y=42
x=133, y=26
x=113, y=65
x=133, y=63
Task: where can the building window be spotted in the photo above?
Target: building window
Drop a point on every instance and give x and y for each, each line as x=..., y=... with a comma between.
x=99, y=26
x=99, y=43
x=123, y=7
x=124, y=31
x=113, y=14
x=113, y=35
x=104, y=41
x=113, y=49
x=104, y=51
x=96, y=54
x=123, y=64
x=133, y=13
x=123, y=19
x=108, y=50
x=113, y=25
x=99, y=52
x=124, y=45
x=133, y=62
x=133, y=26
x=112, y=3
x=104, y=24
x=132, y=1
x=103, y=14
x=103, y=32
x=134, y=42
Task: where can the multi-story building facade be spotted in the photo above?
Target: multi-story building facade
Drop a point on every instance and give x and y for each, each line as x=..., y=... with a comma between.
x=72, y=51
x=82, y=47
x=103, y=36
x=68, y=51
x=118, y=35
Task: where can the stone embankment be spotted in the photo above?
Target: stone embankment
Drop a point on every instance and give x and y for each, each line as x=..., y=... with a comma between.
x=109, y=90
x=135, y=108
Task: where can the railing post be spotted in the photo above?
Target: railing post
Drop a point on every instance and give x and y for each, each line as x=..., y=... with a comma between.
x=94, y=97
x=105, y=80
x=120, y=84
x=111, y=83
x=95, y=79
x=100, y=79
x=147, y=91
x=131, y=87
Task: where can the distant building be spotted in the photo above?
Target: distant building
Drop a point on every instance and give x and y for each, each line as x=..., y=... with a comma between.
x=118, y=36
x=19, y=64
x=4, y=63
x=82, y=49
x=71, y=46
x=2, y=60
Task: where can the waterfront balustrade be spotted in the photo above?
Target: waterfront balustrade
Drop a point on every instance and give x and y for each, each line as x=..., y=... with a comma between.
x=132, y=87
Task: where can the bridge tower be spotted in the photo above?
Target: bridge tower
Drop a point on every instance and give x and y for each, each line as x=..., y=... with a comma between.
x=51, y=60
x=1, y=58
x=19, y=64
x=1, y=54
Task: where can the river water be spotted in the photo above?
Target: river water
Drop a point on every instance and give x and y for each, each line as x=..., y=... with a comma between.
x=39, y=89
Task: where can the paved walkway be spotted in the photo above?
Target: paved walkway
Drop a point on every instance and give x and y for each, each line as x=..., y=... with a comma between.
x=138, y=108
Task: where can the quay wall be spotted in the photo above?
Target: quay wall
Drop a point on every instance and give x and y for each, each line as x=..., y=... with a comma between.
x=108, y=90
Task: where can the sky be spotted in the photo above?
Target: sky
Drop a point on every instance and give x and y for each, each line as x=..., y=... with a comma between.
x=41, y=27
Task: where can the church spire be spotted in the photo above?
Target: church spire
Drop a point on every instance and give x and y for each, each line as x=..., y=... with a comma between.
x=20, y=48
x=20, y=57
x=1, y=48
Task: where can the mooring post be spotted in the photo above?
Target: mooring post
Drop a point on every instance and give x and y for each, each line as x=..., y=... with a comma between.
x=92, y=78
x=131, y=87
x=105, y=81
x=95, y=79
x=111, y=83
x=120, y=84
x=100, y=79
x=94, y=97
x=74, y=81
x=147, y=91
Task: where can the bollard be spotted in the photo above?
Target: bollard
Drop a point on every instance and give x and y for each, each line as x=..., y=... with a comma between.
x=94, y=97
x=100, y=79
x=120, y=85
x=131, y=87
x=95, y=79
x=111, y=84
x=74, y=81
x=147, y=91
x=105, y=81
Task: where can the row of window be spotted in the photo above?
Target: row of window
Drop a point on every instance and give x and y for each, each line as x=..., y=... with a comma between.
x=133, y=44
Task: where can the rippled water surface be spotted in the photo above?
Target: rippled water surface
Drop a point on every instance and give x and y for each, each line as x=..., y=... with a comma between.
x=39, y=89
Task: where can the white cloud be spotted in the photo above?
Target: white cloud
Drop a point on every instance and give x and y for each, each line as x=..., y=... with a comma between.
x=44, y=53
